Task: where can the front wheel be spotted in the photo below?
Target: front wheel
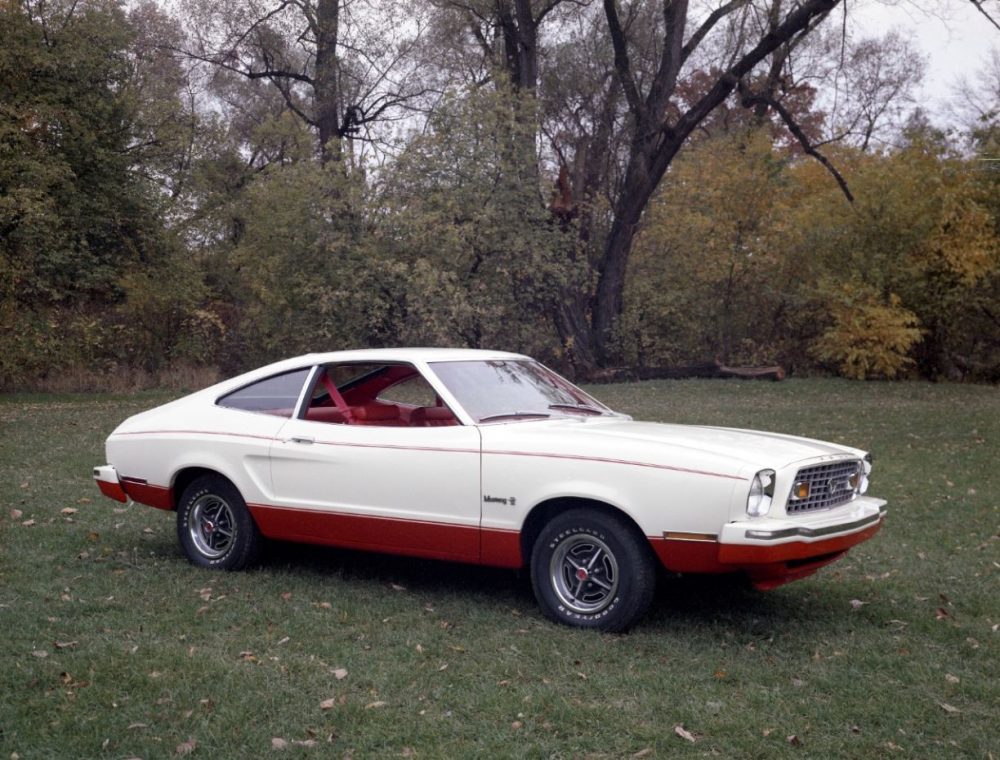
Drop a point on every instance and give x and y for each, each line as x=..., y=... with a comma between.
x=214, y=526
x=591, y=569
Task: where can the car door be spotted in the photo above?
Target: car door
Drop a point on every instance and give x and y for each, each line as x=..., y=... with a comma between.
x=368, y=479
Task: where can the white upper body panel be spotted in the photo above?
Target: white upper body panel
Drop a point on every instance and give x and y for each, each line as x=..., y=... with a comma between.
x=666, y=477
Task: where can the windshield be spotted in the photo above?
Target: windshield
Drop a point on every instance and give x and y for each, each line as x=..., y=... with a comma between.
x=506, y=390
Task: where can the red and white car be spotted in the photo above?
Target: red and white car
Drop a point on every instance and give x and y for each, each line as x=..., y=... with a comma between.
x=488, y=458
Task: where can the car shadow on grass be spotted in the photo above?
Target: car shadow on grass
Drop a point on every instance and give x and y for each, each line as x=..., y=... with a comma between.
x=726, y=601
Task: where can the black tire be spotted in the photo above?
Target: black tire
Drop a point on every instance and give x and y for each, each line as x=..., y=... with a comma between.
x=215, y=527
x=592, y=569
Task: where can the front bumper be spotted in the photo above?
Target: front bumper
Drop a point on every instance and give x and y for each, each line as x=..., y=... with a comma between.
x=774, y=551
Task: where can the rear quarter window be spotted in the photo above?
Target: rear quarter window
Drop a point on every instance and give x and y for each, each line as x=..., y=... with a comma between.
x=273, y=395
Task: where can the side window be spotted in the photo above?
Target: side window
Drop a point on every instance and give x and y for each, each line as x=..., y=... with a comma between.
x=412, y=392
x=275, y=395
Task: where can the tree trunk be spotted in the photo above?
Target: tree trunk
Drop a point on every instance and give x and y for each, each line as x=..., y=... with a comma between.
x=655, y=142
x=326, y=90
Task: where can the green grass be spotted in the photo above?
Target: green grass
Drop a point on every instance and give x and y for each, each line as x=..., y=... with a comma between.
x=114, y=646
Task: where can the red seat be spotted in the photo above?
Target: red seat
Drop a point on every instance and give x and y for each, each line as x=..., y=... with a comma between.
x=432, y=416
x=325, y=414
x=384, y=415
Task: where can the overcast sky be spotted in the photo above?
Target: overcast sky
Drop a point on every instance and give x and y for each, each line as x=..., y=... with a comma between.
x=954, y=36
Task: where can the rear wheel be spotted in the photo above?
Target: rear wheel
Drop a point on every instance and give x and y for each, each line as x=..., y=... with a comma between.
x=215, y=527
x=592, y=569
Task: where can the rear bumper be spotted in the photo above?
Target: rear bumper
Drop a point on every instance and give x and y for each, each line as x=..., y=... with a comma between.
x=772, y=552
x=107, y=480
x=121, y=488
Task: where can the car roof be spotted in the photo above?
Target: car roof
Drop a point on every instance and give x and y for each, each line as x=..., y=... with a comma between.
x=410, y=355
x=415, y=356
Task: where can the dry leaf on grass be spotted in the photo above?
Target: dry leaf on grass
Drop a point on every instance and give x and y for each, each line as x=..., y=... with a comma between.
x=376, y=704
x=340, y=673
x=683, y=733
x=69, y=511
x=951, y=710
x=186, y=748
x=328, y=704
x=278, y=743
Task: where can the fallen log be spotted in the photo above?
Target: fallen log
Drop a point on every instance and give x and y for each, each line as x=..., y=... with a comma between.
x=702, y=370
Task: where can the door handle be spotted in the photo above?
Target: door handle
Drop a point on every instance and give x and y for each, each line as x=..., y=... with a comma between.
x=301, y=439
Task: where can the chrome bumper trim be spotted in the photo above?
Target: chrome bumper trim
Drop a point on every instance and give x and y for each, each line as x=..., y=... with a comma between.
x=771, y=535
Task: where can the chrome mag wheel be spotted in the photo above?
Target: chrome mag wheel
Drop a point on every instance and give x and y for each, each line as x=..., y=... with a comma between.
x=212, y=526
x=584, y=574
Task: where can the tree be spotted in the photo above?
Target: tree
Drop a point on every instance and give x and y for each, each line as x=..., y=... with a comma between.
x=340, y=67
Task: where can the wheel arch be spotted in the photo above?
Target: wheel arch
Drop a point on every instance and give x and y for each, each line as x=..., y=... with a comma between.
x=544, y=511
x=187, y=475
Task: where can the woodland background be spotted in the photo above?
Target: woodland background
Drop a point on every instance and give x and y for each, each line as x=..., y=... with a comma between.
x=206, y=185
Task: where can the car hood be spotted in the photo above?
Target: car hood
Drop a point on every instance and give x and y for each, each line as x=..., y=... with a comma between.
x=666, y=442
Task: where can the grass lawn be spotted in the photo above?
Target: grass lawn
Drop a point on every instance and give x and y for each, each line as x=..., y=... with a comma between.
x=114, y=646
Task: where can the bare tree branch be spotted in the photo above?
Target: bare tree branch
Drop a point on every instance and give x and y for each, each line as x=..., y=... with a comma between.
x=750, y=99
x=981, y=9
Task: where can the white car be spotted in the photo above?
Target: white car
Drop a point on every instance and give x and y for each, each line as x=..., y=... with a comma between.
x=488, y=458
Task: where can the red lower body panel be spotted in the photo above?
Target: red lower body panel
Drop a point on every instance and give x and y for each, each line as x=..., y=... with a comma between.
x=161, y=497
x=458, y=543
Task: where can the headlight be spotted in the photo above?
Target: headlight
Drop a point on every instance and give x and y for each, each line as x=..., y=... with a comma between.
x=862, y=476
x=761, y=493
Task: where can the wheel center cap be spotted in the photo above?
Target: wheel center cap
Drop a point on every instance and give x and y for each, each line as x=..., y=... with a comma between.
x=582, y=574
x=208, y=526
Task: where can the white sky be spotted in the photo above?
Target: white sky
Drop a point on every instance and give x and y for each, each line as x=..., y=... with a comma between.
x=954, y=36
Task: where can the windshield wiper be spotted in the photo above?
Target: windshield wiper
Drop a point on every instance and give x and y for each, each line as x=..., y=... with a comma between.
x=507, y=415
x=576, y=408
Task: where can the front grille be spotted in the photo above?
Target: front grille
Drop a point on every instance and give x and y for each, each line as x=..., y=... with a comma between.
x=829, y=486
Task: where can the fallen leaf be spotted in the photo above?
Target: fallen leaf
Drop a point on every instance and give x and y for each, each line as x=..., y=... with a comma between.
x=374, y=705
x=304, y=742
x=284, y=640
x=443, y=667
x=69, y=511
x=397, y=587
x=186, y=748
x=340, y=673
x=941, y=613
x=16, y=514
x=857, y=604
x=65, y=644
x=948, y=708
x=683, y=733
x=133, y=726
x=277, y=743
x=40, y=654
x=950, y=678
x=328, y=704
x=794, y=740
x=420, y=649
x=643, y=752
x=149, y=532
x=28, y=523
x=517, y=725
x=83, y=500
x=286, y=595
